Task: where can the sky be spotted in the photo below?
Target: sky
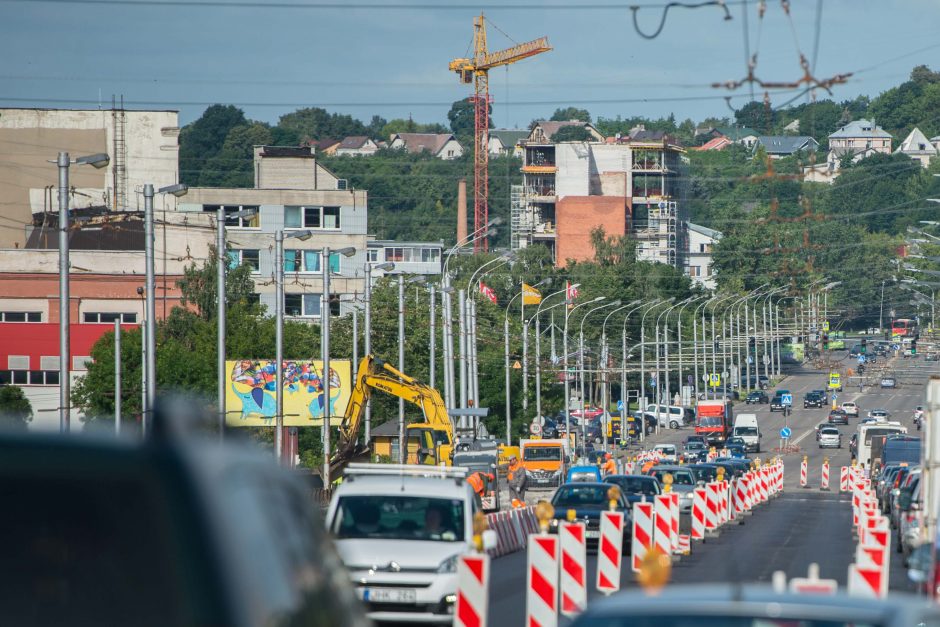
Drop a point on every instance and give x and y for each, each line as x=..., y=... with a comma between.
x=389, y=57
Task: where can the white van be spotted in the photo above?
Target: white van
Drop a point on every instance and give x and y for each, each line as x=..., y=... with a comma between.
x=745, y=427
x=671, y=416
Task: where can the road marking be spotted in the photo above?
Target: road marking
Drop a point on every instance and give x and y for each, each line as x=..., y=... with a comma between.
x=802, y=437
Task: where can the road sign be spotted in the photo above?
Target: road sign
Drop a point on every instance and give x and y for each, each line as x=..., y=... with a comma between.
x=861, y=359
x=620, y=405
x=766, y=360
x=652, y=382
x=535, y=428
x=826, y=325
x=785, y=433
x=895, y=347
x=714, y=380
x=786, y=399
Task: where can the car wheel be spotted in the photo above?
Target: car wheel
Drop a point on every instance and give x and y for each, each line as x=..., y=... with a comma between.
x=673, y=424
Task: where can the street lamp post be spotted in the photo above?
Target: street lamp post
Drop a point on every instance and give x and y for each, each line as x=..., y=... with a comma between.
x=538, y=354
x=581, y=351
x=401, y=367
x=642, y=399
x=506, y=367
x=688, y=302
x=695, y=318
x=568, y=313
x=63, y=162
x=367, y=332
x=623, y=359
x=118, y=395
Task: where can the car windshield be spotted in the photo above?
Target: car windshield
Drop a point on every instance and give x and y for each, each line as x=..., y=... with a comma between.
x=703, y=473
x=666, y=449
x=745, y=430
x=695, y=446
x=870, y=433
x=829, y=431
x=580, y=496
x=709, y=421
x=541, y=453
x=636, y=485
x=679, y=477
x=399, y=518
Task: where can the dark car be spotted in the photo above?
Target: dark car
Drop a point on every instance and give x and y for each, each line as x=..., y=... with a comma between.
x=736, y=450
x=636, y=487
x=758, y=397
x=704, y=473
x=776, y=403
x=549, y=428
x=815, y=398
x=101, y=532
x=695, y=452
x=837, y=416
x=696, y=438
x=588, y=500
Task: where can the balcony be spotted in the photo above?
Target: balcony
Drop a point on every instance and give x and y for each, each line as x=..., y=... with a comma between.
x=543, y=168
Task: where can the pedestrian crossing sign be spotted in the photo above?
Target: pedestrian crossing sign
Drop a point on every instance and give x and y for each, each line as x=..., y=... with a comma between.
x=714, y=380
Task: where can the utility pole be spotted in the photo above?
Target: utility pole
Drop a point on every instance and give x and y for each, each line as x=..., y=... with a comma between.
x=118, y=396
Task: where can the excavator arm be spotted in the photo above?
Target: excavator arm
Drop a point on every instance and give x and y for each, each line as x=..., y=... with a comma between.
x=376, y=374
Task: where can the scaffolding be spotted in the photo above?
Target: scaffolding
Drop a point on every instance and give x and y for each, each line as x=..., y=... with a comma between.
x=520, y=225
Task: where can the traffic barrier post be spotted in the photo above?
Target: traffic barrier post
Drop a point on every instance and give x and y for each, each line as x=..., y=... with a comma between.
x=824, y=478
x=803, y=471
x=844, y=479
x=675, y=512
x=864, y=582
x=542, y=572
x=573, y=568
x=711, y=507
x=698, y=513
x=473, y=576
x=609, y=552
x=663, y=523
x=643, y=531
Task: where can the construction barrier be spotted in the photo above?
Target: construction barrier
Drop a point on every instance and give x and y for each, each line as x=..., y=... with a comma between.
x=473, y=580
x=609, y=553
x=643, y=531
x=685, y=544
x=573, y=568
x=541, y=603
x=699, y=497
x=824, y=478
x=864, y=582
x=844, y=479
x=803, y=470
x=711, y=507
x=675, y=512
x=662, y=539
x=740, y=496
x=512, y=527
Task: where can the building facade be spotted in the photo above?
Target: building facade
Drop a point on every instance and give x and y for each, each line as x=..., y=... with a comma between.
x=142, y=145
x=443, y=145
x=417, y=258
x=297, y=196
x=629, y=186
x=702, y=241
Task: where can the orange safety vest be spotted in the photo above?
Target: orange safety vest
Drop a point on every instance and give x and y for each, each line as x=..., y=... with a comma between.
x=610, y=467
x=476, y=482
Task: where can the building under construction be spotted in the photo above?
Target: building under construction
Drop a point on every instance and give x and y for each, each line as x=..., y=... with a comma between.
x=633, y=185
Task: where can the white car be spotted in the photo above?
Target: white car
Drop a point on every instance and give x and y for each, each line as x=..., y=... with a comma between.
x=880, y=415
x=850, y=408
x=829, y=437
x=399, y=530
x=668, y=451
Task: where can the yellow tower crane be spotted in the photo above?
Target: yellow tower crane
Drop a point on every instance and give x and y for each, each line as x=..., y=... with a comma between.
x=476, y=70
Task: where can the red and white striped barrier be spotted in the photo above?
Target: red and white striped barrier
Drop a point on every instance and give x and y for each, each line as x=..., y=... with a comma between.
x=803, y=474
x=473, y=578
x=844, y=479
x=725, y=501
x=750, y=494
x=740, y=496
x=674, y=533
x=764, y=473
x=824, y=478
x=573, y=568
x=662, y=539
x=609, y=553
x=628, y=468
x=512, y=528
x=698, y=513
x=711, y=506
x=643, y=531
x=864, y=582
x=541, y=603
x=685, y=544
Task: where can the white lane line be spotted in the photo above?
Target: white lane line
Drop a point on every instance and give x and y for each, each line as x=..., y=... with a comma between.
x=802, y=437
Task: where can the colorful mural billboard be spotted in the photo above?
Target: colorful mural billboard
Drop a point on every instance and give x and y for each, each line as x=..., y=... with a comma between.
x=250, y=396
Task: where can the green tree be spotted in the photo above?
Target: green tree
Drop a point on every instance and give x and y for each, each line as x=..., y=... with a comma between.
x=461, y=117
x=199, y=286
x=572, y=134
x=313, y=123
x=16, y=412
x=567, y=114
x=233, y=166
x=203, y=139
x=756, y=115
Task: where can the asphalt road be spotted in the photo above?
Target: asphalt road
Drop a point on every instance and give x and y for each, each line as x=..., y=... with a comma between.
x=801, y=526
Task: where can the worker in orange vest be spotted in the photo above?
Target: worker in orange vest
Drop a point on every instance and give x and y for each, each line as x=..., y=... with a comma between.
x=516, y=479
x=609, y=467
x=478, y=481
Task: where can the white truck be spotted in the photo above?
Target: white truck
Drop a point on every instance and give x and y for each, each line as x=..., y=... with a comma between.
x=745, y=427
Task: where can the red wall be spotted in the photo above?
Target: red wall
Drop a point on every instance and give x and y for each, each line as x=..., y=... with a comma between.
x=577, y=216
x=42, y=340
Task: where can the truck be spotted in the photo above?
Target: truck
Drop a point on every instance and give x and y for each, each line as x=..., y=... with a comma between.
x=713, y=420
x=544, y=462
x=745, y=427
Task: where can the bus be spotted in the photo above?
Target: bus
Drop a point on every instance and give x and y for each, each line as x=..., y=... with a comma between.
x=903, y=327
x=866, y=432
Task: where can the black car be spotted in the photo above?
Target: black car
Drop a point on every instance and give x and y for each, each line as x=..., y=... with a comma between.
x=815, y=398
x=636, y=487
x=776, y=403
x=588, y=500
x=757, y=397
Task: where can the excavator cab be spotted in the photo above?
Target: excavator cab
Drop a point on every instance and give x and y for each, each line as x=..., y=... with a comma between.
x=428, y=445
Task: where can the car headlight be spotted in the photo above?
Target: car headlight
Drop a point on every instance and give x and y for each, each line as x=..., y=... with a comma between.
x=449, y=565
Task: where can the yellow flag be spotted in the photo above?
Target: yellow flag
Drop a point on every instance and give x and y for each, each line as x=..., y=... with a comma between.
x=530, y=295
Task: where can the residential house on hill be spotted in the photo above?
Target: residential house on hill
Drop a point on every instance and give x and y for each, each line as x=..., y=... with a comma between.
x=780, y=146
x=357, y=145
x=715, y=143
x=543, y=130
x=859, y=138
x=441, y=145
x=506, y=141
x=737, y=134
x=918, y=147
x=702, y=241
x=325, y=146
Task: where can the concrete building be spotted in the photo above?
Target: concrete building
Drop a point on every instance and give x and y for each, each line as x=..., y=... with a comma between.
x=629, y=185
x=859, y=137
x=506, y=141
x=441, y=145
x=143, y=146
x=293, y=193
x=418, y=258
x=701, y=244
x=918, y=147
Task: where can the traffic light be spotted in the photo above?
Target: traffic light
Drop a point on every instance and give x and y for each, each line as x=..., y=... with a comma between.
x=751, y=343
x=914, y=346
x=864, y=348
x=825, y=341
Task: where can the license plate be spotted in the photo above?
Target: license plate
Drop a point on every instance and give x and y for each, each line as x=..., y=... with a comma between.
x=389, y=595
x=592, y=533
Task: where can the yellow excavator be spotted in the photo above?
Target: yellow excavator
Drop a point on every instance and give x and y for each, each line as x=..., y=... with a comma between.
x=430, y=442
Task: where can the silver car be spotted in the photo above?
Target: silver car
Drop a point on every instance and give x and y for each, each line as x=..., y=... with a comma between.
x=829, y=437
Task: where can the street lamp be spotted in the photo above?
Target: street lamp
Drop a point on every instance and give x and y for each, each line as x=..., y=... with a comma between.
x=581, y=349
x=506, y=361
x=347, y=251
x=538, y=354
x=568, y=313
x=642, y=399
x=386, y=267
x=279, y=338
x=98, y=161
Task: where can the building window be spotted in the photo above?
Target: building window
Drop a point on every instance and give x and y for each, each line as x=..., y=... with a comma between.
x=293, y=304
x=430, y=254
x=308, y=261
x=311, y=217
x=695, y=271
x=96, y=317
x=308, y=305
x=372, y=255
x=14, y=377
x=247, y=256
x=252, y=221
x=20, y=316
